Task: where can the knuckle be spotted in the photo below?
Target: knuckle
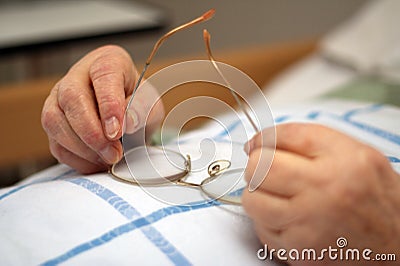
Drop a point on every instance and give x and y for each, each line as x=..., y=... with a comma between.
x=354, y=185
x=299, y=133
x=112, y=49
x=345, y=197
x=106, y=68
x=109, y=64
x=292, y=128
x=106, y=71
x=306, y=141
x=304, y=129
x=369, y=157
x=108, y=102
x=69, y=95
x=49, y=119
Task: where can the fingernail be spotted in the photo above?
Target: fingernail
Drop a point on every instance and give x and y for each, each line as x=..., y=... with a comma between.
x=133, y=122
x=112, y=127
x=109, y=154
x=248, y=146
x=254, y=183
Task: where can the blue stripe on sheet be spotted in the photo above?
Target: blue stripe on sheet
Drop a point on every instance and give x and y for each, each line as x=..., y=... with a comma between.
x=365, y=109
x=368, y=128
x=129, y=227
x=378, y=132
x=281, y=119
x=129, y=212
x=313, y=115
x=346, y=118
x=372, y=130
x=46, y=179
x=225, y=132
x=393, y=159
x=236, y=193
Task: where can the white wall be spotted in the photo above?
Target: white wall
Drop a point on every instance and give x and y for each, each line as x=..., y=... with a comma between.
x=237, y=23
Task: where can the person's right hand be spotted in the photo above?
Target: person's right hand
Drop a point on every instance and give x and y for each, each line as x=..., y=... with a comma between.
x=83, y=115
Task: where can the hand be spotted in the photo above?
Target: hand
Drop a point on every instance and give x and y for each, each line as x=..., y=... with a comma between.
x=323, y=185
x=83, y=115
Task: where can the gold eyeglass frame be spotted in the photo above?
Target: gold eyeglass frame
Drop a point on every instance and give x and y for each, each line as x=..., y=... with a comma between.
x=215, y=168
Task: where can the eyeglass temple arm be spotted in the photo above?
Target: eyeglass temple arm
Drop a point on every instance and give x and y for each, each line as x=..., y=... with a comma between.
x=207, y=37
x=206, y=16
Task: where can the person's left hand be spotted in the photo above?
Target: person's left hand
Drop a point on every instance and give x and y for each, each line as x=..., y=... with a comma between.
x=323, y=185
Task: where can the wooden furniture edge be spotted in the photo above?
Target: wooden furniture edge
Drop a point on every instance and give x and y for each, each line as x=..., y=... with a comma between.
x=23, y=139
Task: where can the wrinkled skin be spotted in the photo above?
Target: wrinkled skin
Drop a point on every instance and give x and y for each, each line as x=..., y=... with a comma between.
x=83, y=115
x=323, y=185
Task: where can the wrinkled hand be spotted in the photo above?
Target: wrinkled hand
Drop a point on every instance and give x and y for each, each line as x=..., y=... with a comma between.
x=323, y=185
x=83, y=115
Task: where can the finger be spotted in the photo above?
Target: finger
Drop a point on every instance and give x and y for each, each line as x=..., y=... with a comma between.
x=271, y=211
x=81, y=165
x=265, y=138
x=57, y=128
x=145, y=109
x=113, y=76
x=267, y=236
x=287, y=175
x=79, y=106
x=302, y=138
x=258, y=167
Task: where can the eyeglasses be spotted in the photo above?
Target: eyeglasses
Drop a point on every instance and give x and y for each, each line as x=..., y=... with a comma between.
x=147, y=165
x=161, y=166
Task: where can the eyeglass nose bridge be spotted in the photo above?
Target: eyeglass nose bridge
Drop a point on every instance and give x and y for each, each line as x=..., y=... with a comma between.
x=218, y=167
x=214, y=169
x=188, y=163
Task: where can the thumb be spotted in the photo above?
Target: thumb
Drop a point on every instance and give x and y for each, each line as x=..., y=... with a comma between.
x=144, y=109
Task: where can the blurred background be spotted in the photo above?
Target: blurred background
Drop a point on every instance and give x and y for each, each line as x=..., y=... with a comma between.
x=40, y=40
